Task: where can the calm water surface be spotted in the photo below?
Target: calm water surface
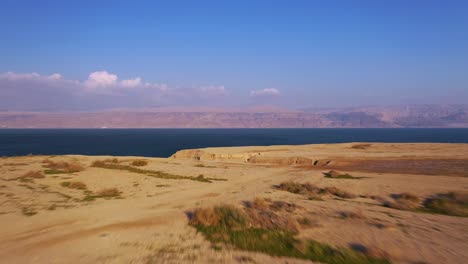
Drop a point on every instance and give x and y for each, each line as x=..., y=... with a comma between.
x=164, y=142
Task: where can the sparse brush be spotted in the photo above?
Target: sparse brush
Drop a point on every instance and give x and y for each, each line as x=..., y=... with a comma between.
x=257, y=203
x=313, y=191
x=361, y=146
x=371, y=251
x=338, y=192
x=74, y=185
x=307, y=222
x=451, y=203
x=28, y=211
x=139, y=163
x=98, y=163
x=352, y=214
x=267, y=219
x=403, y=201
x=109, y=192
x=298, y=188
x=204, y=217
x=33, y=175
x=337, y=175
x=157, y=174
x=259, y=229
x=282, y=206
x=62, y=167
x=224, y=216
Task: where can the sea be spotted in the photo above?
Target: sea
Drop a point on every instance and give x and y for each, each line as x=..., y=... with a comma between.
x=165, y=142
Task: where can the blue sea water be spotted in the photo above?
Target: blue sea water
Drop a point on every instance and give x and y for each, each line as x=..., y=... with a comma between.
x=165, y=142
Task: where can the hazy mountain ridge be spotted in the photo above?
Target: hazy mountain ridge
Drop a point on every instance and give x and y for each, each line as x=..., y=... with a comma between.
x=356, y=117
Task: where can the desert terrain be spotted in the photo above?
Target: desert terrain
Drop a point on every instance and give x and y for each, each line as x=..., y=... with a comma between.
x=323, y=203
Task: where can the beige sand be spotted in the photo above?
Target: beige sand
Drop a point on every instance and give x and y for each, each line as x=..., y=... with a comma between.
x=45, y=222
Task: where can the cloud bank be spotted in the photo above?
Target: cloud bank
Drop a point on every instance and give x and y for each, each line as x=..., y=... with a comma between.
x=101, y=90
x=265, y=92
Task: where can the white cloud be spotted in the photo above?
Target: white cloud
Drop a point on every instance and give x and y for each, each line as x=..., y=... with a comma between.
x=265, y=92
x=101, y=79
x=12, y=76
x=101, y=90
x=130, y=83
x=55, y=76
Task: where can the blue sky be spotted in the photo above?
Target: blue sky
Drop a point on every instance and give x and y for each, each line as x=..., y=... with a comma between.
x=232, y=53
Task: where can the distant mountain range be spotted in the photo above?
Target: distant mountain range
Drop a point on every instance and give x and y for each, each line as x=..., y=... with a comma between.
x=443, y=116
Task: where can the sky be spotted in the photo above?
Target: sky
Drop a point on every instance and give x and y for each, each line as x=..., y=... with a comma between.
x=96, y=55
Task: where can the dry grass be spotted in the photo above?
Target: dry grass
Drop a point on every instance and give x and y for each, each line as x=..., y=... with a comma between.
x=313, y=191
x=74, y=185
x=258, y=213
x=33, y=175
x=298, y=188
x=403, y=201
x=268, y=219
x=372, y=251
x=61, y=167
x=139, y=163
x=205, y=217
x=282, y=206
x=352, y=214
x=257, y=203
x=109, y=192
x=340, y=193
x=361, y=146
x=225, y=216
x=157, y=174
x=338, y=175
x=257, y=228
x=307, y=222
x=451, y=203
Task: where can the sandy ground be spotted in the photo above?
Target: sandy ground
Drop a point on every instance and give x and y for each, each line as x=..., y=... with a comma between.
x=45, y=222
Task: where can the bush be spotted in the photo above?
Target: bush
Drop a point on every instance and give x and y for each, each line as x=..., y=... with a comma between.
x=74, y=185
x=313, y=191
x=261, y=230
x=338, y=192
x=352, y=214
x=451, y=203
x=223, y=216
x=62, y=167
x=403, y=201
x=33, y=175
x=109, y=192
x=298, y=188
x=139, y=163
x=337, y=175
x=361, y=146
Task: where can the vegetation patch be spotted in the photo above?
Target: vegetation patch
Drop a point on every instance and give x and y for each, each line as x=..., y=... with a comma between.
x=200, y=165
x=139, y=163
x=253, y=229
x=361, y=146
x=157, y=174
x=106, y=193
x=452, y=203
x=28, y=211
x=74, y=185
x=61, y=167
x=33, y=175
x=337, y=175
x=313, y=191
x=351, y=215
x=403, y=201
